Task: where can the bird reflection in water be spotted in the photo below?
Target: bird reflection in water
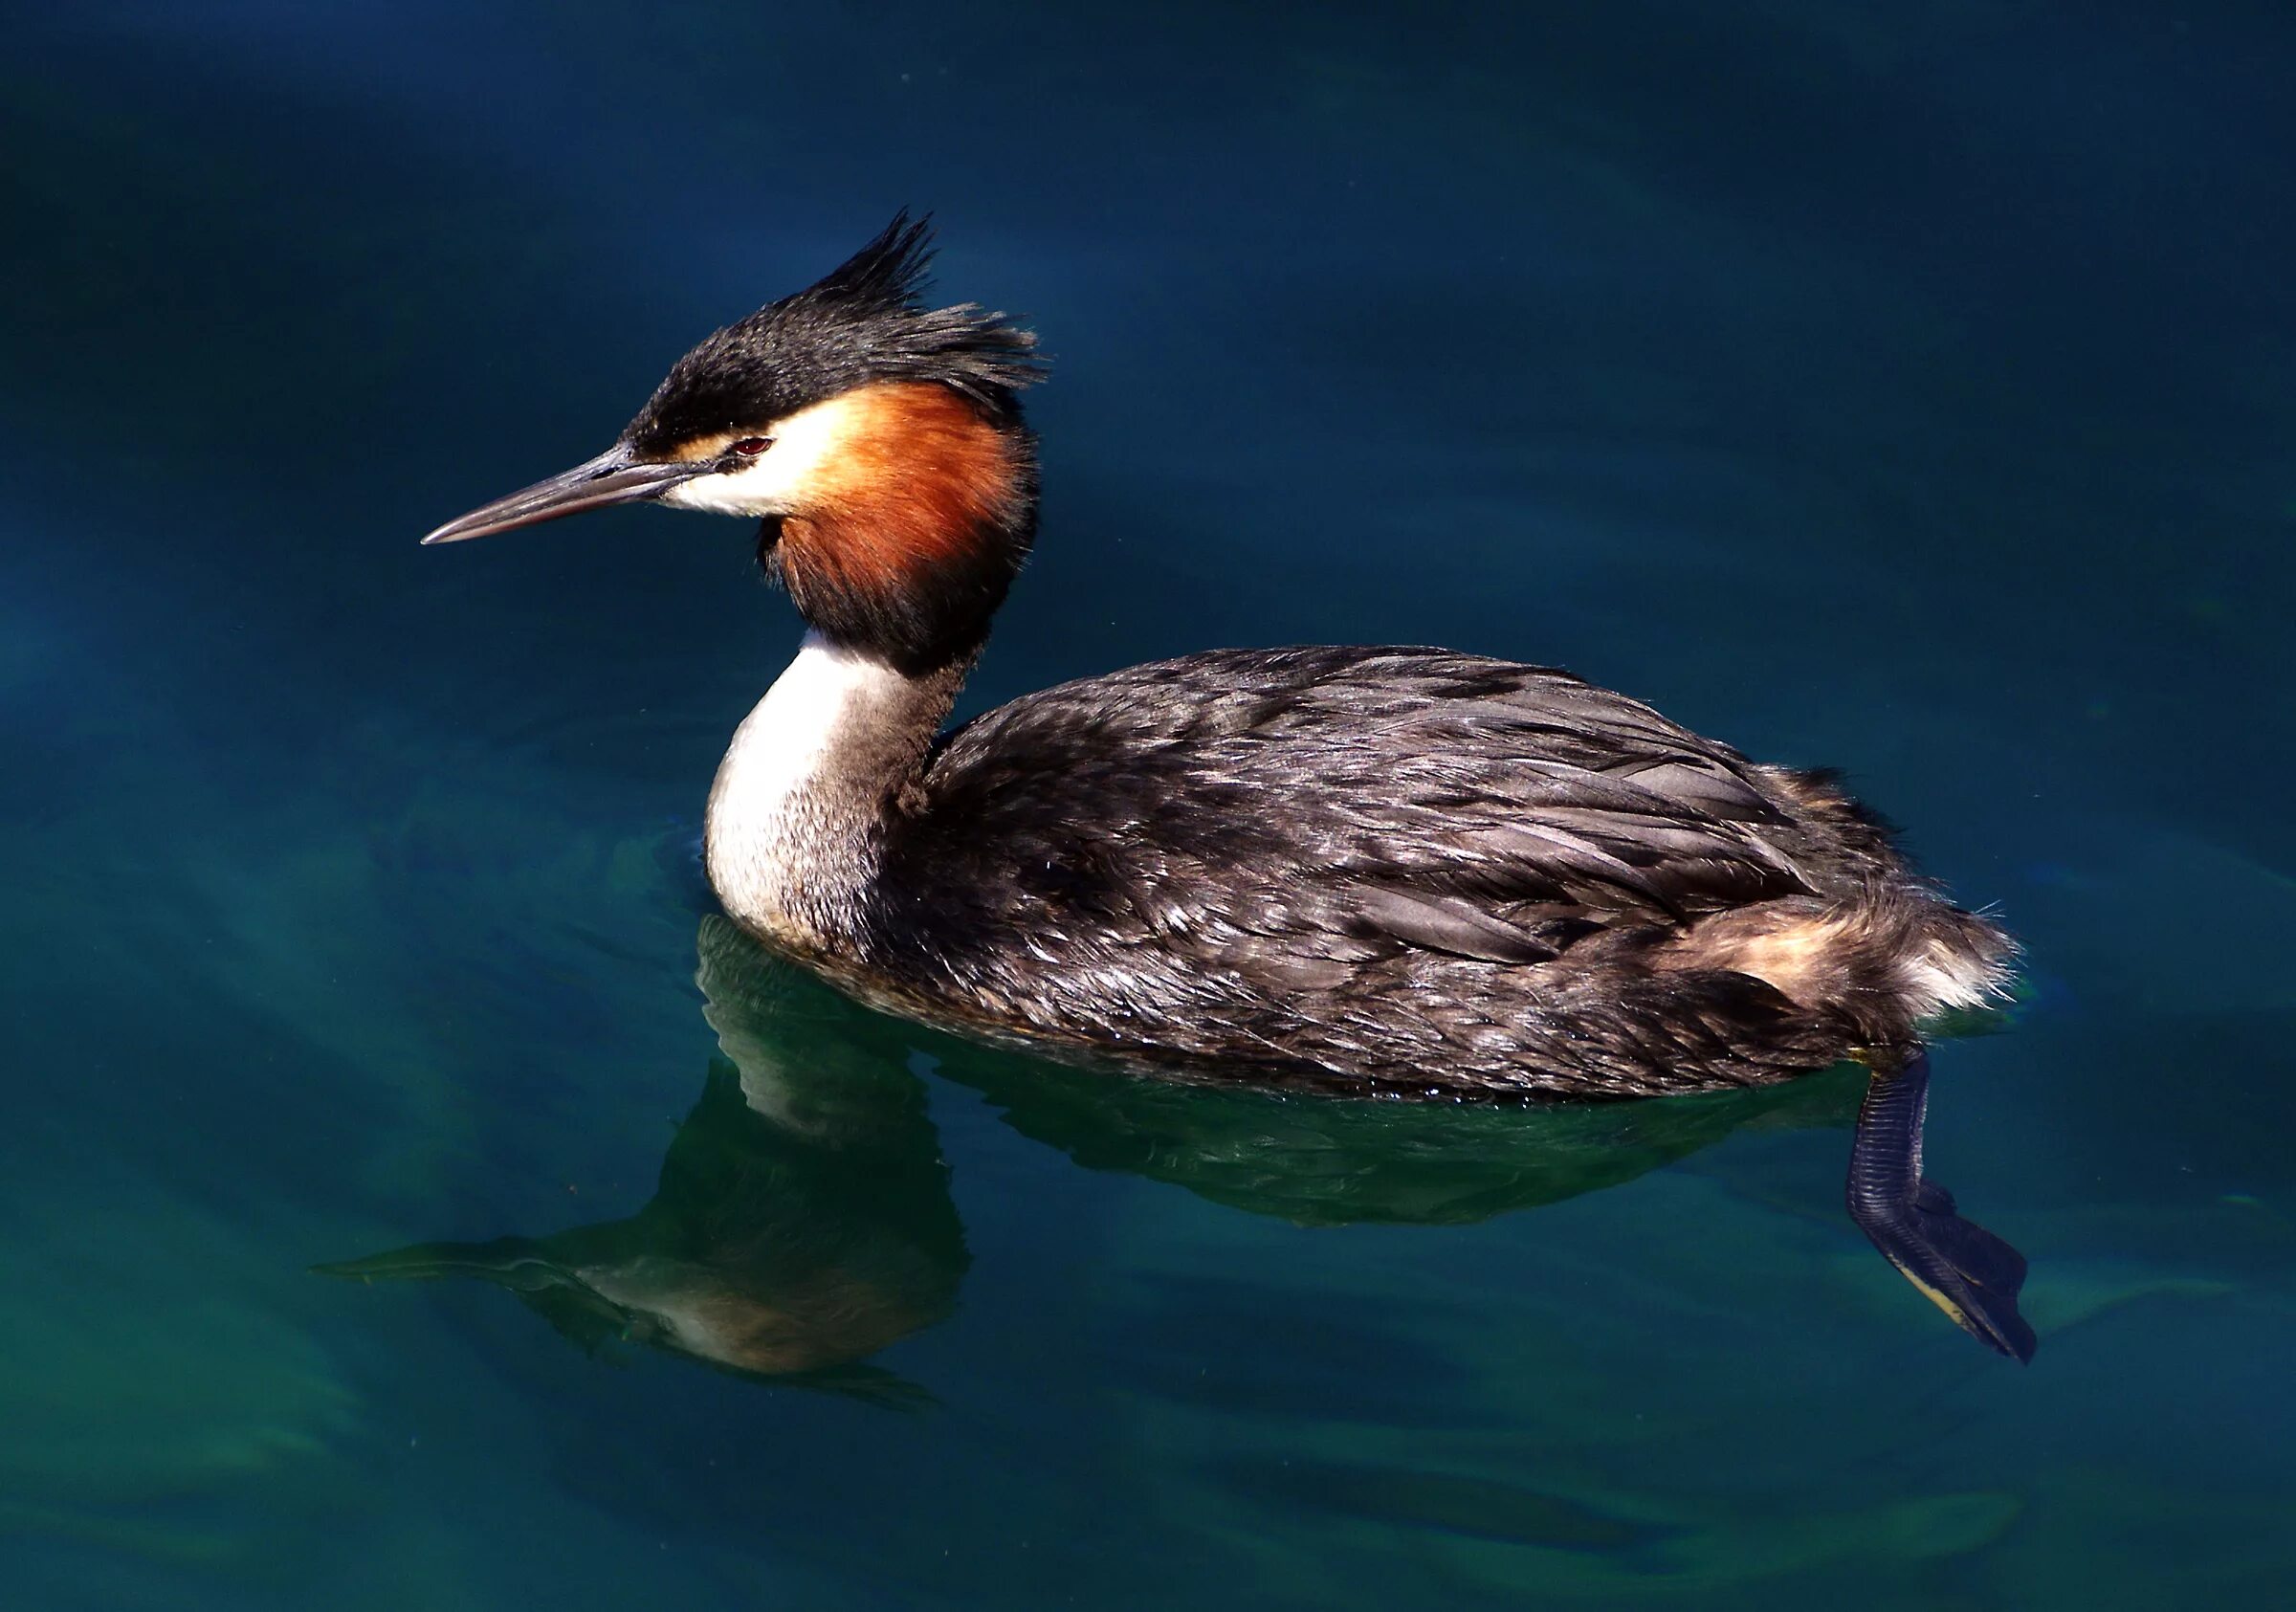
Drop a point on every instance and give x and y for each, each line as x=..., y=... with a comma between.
x=804, y=1220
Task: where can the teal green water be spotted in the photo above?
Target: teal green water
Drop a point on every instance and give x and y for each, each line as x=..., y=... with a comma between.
x=1909, y=388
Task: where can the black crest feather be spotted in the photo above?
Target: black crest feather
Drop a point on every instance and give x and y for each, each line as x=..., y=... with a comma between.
x=864, y=321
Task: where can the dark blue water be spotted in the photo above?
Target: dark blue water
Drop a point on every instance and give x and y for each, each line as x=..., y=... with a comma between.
x=1907, y=388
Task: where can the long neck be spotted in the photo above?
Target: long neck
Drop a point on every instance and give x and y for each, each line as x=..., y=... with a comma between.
x=798, y=813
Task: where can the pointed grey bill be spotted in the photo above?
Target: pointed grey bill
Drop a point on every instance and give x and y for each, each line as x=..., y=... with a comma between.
x=514, y=1262
x=612, y=477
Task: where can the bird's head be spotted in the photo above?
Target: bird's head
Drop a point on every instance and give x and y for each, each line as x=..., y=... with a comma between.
x=877, y=440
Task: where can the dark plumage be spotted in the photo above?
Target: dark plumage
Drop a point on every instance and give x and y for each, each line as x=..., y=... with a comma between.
x=863, y=322
x=1405, y=867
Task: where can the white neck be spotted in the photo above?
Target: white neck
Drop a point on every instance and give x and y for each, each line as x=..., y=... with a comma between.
x=794, y=815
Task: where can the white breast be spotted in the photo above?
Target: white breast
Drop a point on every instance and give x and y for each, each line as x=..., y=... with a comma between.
x=771, y=822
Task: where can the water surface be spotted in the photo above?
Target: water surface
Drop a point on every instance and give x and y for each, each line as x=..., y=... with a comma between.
x=1910, y=389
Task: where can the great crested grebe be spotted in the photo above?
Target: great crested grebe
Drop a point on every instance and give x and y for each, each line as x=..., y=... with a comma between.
x=1361, y=870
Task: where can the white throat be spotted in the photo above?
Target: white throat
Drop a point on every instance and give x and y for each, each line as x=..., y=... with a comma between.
x=787, y=830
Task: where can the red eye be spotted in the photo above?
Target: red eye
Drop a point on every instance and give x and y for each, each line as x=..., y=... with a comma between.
x=750, y=447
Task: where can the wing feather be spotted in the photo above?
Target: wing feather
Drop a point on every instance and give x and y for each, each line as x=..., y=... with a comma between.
x=1395, y=799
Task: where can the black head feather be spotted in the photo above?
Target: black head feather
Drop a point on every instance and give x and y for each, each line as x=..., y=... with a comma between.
x=865, y=321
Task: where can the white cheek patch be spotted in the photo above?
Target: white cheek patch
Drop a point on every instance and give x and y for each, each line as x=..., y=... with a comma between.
x=776, y=480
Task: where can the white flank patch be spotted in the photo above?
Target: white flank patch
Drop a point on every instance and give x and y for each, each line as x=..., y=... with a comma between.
x=1941, y=978
x=757, y=829
x=772, y=482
